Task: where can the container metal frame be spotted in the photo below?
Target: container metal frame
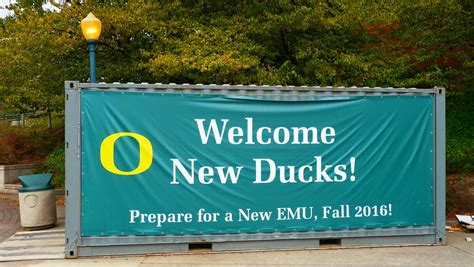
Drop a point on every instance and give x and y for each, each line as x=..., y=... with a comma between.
x=77, y=245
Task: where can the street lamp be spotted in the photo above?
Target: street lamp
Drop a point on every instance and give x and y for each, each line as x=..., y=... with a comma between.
x=91, y=27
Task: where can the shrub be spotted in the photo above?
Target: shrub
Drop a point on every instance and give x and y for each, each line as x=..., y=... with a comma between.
x=27, y=145
x=54, y=163
x=459, y=132
x=16, y=147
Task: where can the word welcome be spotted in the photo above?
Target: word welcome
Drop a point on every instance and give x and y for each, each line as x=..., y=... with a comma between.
x=263, y=135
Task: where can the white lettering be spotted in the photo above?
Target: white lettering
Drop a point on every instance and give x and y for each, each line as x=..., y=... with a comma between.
x=212, y=127
x=328, y=132
x=258, y=171
x=188, y=176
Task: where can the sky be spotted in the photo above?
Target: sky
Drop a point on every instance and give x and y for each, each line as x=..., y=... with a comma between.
x=4, y=12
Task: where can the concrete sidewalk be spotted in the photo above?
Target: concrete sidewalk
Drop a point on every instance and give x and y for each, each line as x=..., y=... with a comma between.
x=20, y=244
x=9, y=215
x=34, y=245
x=458, y=252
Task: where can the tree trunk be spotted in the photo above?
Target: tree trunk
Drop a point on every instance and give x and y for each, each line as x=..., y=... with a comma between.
x=50, y=124
x=22, y=120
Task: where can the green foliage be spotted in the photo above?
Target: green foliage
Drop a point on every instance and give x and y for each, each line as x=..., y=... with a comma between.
x=393, y=43
x=55, y=164
x=405, y=43
x=459, y=131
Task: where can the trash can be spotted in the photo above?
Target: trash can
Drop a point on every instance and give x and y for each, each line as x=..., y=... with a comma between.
x=37, y=201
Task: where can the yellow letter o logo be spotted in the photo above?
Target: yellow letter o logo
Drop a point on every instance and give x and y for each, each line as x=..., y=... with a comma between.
x=107, y=153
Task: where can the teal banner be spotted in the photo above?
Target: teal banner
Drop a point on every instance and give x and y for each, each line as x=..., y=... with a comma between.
x=161, y=164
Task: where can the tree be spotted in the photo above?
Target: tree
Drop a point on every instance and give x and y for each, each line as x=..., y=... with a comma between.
x=395, y=43
x=403, y=43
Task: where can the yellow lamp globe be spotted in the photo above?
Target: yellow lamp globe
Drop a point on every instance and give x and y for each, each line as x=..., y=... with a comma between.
x=91, y=27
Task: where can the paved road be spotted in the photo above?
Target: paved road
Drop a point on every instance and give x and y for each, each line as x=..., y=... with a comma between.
x=9, y=216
